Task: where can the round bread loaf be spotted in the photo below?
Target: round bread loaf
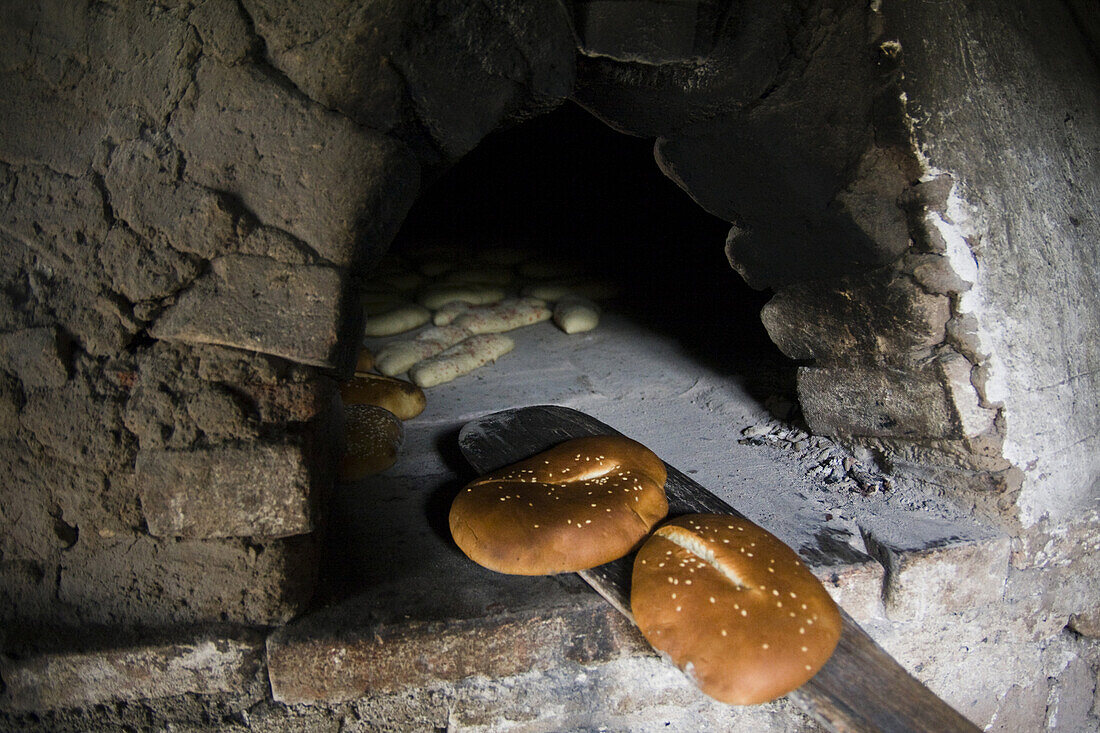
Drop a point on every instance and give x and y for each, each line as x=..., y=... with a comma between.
x=733, y=607
x=402, y=398
x=373, y=437
x=583, y=503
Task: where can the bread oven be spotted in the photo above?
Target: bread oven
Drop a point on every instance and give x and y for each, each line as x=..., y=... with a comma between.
x=853, y=246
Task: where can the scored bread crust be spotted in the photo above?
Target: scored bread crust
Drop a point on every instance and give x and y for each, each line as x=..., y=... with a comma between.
x=582, y=503
x=733, y=607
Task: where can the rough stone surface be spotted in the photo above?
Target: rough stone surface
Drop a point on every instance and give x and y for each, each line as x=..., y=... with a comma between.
x=181, y=397
x=880, y=317
x=1064, y=557
x=34, y=355
x=633, y=91
x=139, y=580
x=853, y=578
x=143, y=146
x=649, y=33
x=228, y=491
x=1016, y=104
x=877, y=401
x=339, y=54
x=80, y=422
x=959, y=375
x=756, y=166
x=460, y=95
x=935, y=568
x=206, y=665
x=321, y=659
x=293, y=164
x=49, y=227
x=258, y=304
x=458, y=70
x=224, y=30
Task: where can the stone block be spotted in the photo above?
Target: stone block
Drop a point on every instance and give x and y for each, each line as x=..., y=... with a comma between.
x=809, y=200
x=205, y=665
x=442, y=90
x=147, y=194
x=224, y=30
x=638, y=30
x=878, y=402
x=258, y=304
x=339, y=53
x=936, y=567
x=11, y=399
x=292, y=163
x=853, y=578
x=143, y=270
x=81, y=422
x=329, y=659
x=636, y=693
x=881, y=316
x=974, y=419
x=42, y=126
x=140, y=58
x=55, y=215
x=935, y=273
x=469, y=68
x=259, y=491
x=34, y=355
x=138, y=580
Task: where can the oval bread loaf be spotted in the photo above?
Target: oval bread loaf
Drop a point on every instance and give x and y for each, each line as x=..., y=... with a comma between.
x=436, y=296
x=398, y=320
x=506, y=315
x=583, y=503
x=403, y=399
x=448, y=312
x=733, y=607
x=460, y=359
x=397, y=357
x=555, y=291
x=574, y=314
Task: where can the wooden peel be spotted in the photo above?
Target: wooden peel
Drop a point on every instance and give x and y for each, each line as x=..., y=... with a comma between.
x=861, y=687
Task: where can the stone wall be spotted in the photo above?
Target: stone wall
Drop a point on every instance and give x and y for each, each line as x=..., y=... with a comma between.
x=189, y=191
x=171, y=286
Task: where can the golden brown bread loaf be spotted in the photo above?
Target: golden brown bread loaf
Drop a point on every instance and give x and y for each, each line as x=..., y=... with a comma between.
x=402, y=398
x=364, y=361
x=733, y=607
x=583, y=503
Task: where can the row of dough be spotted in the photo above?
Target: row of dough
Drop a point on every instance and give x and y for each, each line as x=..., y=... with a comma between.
x=480, y=308
x=466, y=336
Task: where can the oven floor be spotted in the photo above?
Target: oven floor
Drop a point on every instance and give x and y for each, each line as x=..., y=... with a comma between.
x=690, y=401
x=388, y=536
x=391, y=570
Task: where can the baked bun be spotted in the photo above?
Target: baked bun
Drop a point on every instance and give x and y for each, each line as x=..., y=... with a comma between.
x=364, y=361
x=373, y=438
x=583, y=503
x=402, y=398
x=733, y=607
